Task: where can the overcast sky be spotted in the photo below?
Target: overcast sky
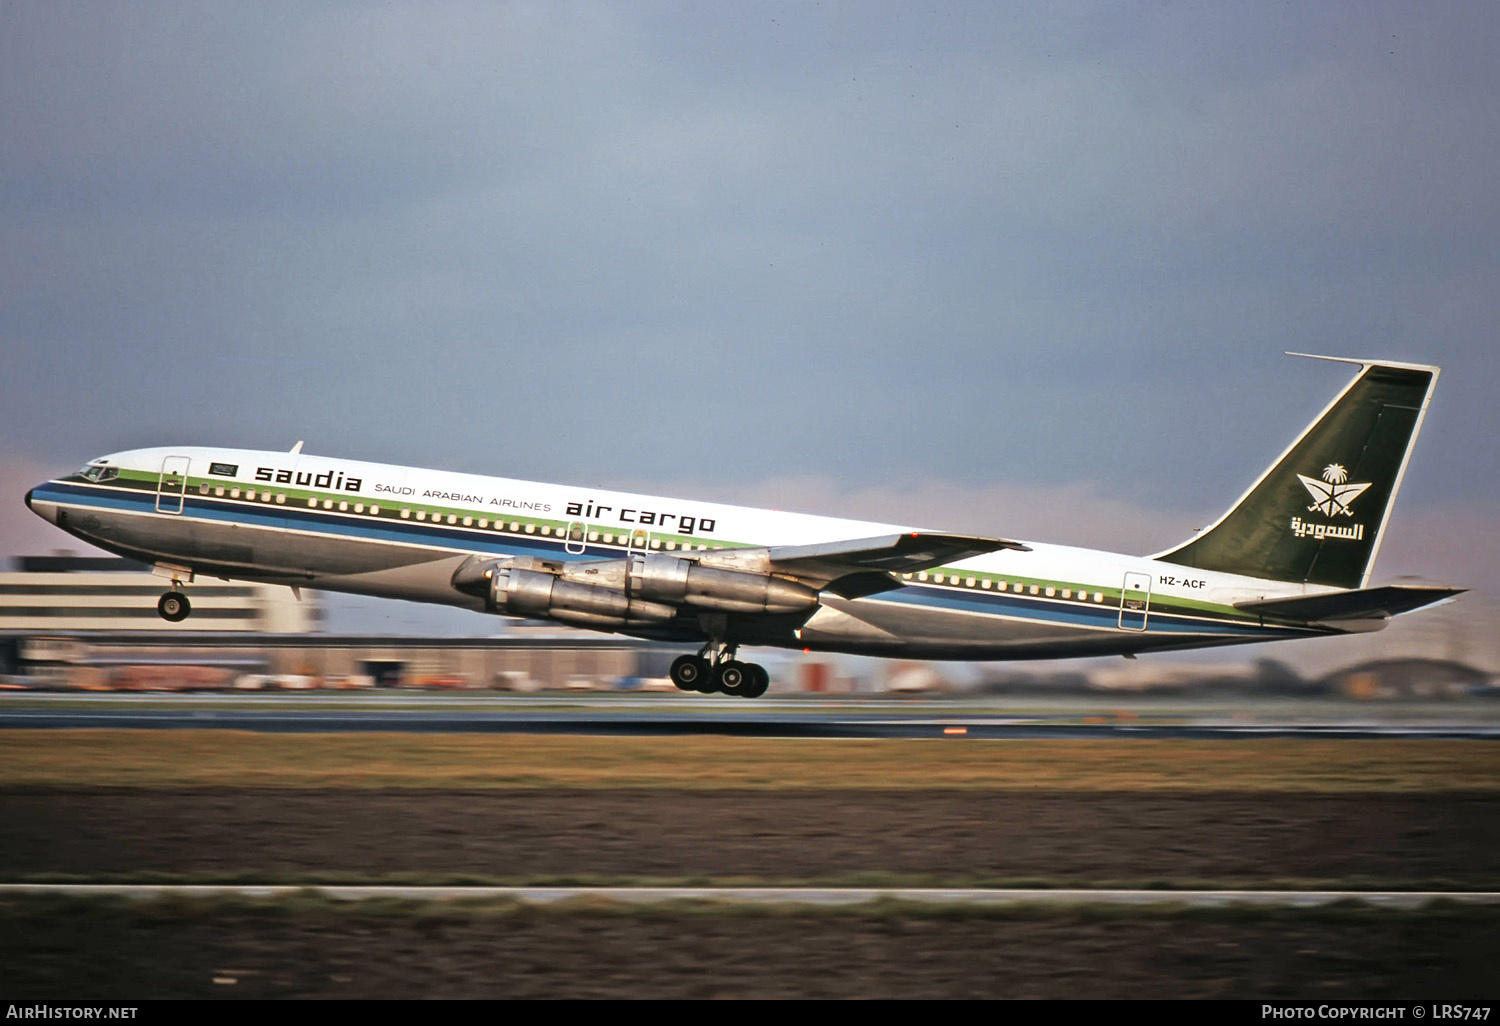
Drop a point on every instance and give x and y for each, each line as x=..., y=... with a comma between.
x=1026, y=269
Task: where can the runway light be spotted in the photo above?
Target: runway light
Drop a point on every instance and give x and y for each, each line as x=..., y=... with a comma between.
x=955, y=730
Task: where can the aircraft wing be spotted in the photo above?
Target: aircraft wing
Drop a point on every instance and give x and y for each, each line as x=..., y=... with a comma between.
x=1357, y=604
x=865, y=563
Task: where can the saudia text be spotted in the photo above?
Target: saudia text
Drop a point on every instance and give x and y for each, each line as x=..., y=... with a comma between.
x=334, y=479
x=1321, y=531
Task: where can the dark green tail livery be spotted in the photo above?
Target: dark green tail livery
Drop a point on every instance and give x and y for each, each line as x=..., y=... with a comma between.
x=1316, y=516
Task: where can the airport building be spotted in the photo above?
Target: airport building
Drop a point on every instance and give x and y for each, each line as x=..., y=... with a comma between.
x=88, y=622
x=65, y=592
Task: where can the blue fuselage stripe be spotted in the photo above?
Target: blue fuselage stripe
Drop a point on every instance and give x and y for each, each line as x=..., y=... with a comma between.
x=475, y=539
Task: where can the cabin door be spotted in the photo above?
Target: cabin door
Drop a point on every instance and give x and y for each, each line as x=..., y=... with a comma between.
x=172, y=484
x=1135, y=601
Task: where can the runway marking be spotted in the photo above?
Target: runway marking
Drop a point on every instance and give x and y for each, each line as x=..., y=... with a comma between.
x=1403, y=900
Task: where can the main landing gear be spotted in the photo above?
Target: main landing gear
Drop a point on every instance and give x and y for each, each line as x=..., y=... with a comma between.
x=174, y=606
x=716, y=670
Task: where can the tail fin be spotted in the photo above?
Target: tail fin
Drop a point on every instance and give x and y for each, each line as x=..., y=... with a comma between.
x=1317, y=515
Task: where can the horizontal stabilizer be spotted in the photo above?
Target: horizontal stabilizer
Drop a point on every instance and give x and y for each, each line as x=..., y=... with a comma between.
x=1360, y=604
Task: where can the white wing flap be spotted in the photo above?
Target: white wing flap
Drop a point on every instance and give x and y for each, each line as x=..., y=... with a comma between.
x=897, y=553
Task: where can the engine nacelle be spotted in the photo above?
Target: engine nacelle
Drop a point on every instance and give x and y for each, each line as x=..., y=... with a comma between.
x=645, y=588
x=530, y=590
x=663, y=578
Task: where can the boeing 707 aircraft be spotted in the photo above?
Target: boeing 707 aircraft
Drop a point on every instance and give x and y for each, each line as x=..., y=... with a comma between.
x=1291, y=559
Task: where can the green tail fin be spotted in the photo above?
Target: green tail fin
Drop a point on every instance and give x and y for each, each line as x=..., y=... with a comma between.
x=1317, y=515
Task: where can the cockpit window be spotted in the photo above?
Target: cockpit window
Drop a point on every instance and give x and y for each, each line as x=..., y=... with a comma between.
x=97, y=473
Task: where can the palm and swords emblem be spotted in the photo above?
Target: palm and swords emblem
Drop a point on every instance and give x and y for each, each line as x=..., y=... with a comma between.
x=1333, y=494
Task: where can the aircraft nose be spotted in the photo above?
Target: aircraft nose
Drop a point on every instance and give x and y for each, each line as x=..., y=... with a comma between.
x=41, y=507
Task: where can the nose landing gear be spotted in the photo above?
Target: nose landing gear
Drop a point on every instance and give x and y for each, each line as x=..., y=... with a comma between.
x=174, y=606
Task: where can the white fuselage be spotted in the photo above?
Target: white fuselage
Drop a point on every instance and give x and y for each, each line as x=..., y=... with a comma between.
x=401, y=532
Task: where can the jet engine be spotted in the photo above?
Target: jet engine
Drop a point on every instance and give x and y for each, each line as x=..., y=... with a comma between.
x=663, y=578
x=534, y=588
x=644, y=588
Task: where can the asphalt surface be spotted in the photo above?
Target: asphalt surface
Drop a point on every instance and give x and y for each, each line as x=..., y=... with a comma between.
x=790, y=895
x=668, y=715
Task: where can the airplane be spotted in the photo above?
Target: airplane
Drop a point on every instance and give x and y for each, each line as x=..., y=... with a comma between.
x=1291, y=559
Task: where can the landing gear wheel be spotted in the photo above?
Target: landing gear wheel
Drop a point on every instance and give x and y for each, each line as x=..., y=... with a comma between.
x=759, y=682
x=174, y=606
x=690, y=673
x=734, y=677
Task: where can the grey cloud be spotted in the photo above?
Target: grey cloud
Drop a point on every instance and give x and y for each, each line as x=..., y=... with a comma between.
x=989, y=245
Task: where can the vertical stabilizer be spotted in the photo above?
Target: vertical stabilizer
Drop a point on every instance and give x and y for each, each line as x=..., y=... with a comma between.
x=1317, y=515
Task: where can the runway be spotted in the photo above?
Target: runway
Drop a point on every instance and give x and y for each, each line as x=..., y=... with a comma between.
x=816, y=896
x=669, y=715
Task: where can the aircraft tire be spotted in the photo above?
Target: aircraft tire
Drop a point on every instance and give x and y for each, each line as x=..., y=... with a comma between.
x=174, y=607
x=759, y=682
x=734, y=677
x=689, y=673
